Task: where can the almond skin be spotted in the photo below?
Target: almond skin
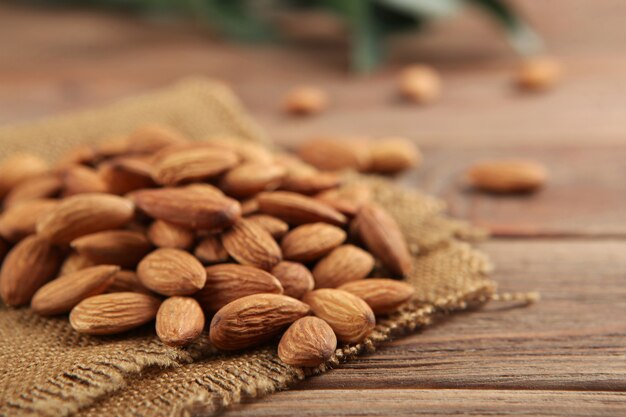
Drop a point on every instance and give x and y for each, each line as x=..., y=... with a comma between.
x=253, y=320
x=81, y=179
x=210, y=250
x=337, y=153
x=508, y=175
x=41, y=187
x=310, y=183
x=294, y=277
x=123, y=175
x=171, y=272
x=190, y=207
x=381, y=294
x=127, y=281
x=252, y=178
x=344, y=264
x=308, y=342
x=115, y=247
x=20, y=220
x=383, y=237
x=311, y=241
x=298, y=209
x=250, y=244
x=228, y=282
x=393, y=155
x=350, y=317
x=276, y=227
x=113, y=313
x=193, y=165
x=179, y=321
x=164, y=234
x=84, y=214
x=29, y=265
x=62, y=294
x=18, y=168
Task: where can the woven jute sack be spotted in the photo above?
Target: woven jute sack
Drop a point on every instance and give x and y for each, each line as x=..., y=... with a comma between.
x=47, y=369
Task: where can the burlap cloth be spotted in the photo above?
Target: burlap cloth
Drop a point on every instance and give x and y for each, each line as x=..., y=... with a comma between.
x=47, y=369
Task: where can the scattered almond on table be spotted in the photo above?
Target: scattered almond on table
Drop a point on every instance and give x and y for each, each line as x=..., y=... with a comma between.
x=305, y=101
x=538, y=74
x=507, y=176
x=420, y=84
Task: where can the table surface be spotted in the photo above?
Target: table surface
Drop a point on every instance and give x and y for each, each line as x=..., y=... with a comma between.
x=565, y=355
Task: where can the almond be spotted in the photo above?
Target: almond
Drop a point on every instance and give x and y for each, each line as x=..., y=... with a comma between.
x=228, y=282
x=20, y=220
x=311, y=241
x=294, y=277
x=420, y=84
x=305, y=100
x=344, y=264
x=393, y=155
x=29, y=265
x=275, y=227
x=80, y=155
x=252, y=178
x=193, y=208
x=381, y=294
x=347, y=199
x=115, y=247
x=308, y=342
x=84, y=214
x=298, y=209
x=253, y=320
x=247, y=150
x=179, y=321
x=210, y=250
x=250, y=244
x=152, y=137
x=538, y=74
x=113, y=313
x=112, y=147
x=127, y=281
x=75, y=262
x=249, y=206
x=62, y=294
x=171, y=272
x=41, y=187
x=350, y=317
x=383, y=237
x=18, y=168
x=126, y=174
x=336, y=153
x=310, y=183
x=193, y=165
x=508, y=175
x=81, y=179
x=169, y=235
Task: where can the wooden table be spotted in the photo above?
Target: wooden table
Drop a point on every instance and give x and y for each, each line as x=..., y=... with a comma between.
x=563, y=356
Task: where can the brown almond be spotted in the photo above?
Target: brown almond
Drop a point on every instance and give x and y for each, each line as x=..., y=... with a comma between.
x=228, y=282
x=249, y=206
x=305, y=100
x=311, y=241
x=383, y=237
x=298, y=209
x=115, y=247
x=350, y=317
x=393, y=155
x=127, y=281
x=18, y=168
x=164, y=234
x=538, y=74
x=179, y=321
x=150, y=138
x=193, y=208
x=193, y=165
x=75, y=262
x=113, y=313
x=420, y=84
x=275, y=227
x=310, y=183
x=123, y=175
x=337, y=153
x=210, y=250
x=308, y=342
x=508, y=175
x=253, y=320
x=347, y=199
x=79, y=155
x=41, y=187
x=112, y=147
x=250, y=244
x=381, y=294
x=248, y=151
x=344, y=264
x=29, y=265
x=294, y=277
x=62, y=294
x=171, y=272
x=252, y=178
x=81, y=179
x=20, y=220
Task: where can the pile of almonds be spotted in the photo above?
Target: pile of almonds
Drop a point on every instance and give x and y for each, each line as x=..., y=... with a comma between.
x=153, y=226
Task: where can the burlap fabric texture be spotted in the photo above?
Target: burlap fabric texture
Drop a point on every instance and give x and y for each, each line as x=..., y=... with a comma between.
x=47, y=369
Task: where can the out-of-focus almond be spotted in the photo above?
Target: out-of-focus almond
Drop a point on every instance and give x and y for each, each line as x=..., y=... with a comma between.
x=179, y=321
x=193, y=165
x=250, y=244
x=115, y=247
x=127, y=281
x=249, y=152
x=393, y=155
x=18, y=168
x=126, y=174
x=350, y=317
x=310, y=183
x=311, y=241
x=112, y=147
x=254, y=319
x=113, y=313
x=249, y=206
x=347, y=199
x=44, y=186
x=336, y=153
x=163, y=234
x=383, y=237
x=275, y=227
x=75, y=262
x=344, y=264
x=210, y=250
x=171, y=272
x=420, y=84
x=81, y=179
x=381, y=294
x=252, y=178
x=305, y=100
x=79, y=155
x=308, y=342
x=152, y=137
x=508, y=175
x=538, y=74
x=298, y=209
x=294, y=277
x=228, y=282
x=62, y=294
x=20, y=220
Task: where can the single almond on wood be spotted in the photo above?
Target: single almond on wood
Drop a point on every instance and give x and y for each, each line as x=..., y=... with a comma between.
x=29, y=265
x=193, y=165
x=41, y=187
x=333, y=154
x=253, y=320
x=113, y=313
x=169, y=235
x=294, y=277
x=508, y=175
x=393, y=155
x=383, y=237
x=210, y=250
x=125, y=174
x=171, y=272
x=311, y=241
x=62, y=294
x=115, y=247
x=347, y=199
x=20, y=220
x=18, y=168
x=228, y=282
x=84, y=214
x=150, y=138
x=538, y=74
x=298, y=209
x=305, y=100
x=350, y=317
x=80, y=179
x=252, y=178
x=274, y=226
x=308, y=342
x=250, y=244
x=344, y=264
x=420, y=84
x=127, y=281
x=381, y=294
x=179, y=321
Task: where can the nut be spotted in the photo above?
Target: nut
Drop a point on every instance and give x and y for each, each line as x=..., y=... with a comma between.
x=420, y=84
x=19, y=168
x=294, y=277
x=344, y=264
x=382, y=295
x=171, y=272
x=298, y=209
x=164, y=234
x=311, y=241
x=275, y=227
x=305, y=100
x=250, y=244
x=538, y=74
x=309, y=341
x=179, y=321
x=115, y=247
x=508, y=175
x=20, y=220
x=393, y=155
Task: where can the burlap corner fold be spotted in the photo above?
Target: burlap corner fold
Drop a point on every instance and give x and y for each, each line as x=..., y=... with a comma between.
x=46, y=369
